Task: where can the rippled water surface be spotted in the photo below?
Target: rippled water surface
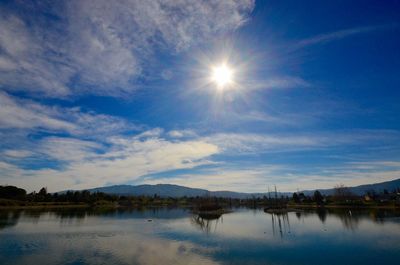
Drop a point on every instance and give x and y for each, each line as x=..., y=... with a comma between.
x=175, y=236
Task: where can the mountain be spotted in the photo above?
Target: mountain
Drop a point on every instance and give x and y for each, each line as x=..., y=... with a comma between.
x=362, y=189
x=162, y=190
x=170, y=190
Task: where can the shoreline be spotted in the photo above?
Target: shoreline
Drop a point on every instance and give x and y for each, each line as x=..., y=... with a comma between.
x=111, y=206
x=27, y=207
x=302, y=206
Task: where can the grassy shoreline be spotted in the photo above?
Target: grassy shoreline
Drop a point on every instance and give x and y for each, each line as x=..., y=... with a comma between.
x=339, y=206
x=45, y=206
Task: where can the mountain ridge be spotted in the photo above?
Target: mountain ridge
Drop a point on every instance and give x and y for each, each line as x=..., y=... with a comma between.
x=172, y=190
x=364, y=188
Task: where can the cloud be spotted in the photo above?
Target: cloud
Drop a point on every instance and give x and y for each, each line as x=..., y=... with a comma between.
x=123, y=242
x=274, y=118
x=121, y=159
x=84, y=164
x=101, y=47
x=182, y=133
x=94, y=149
x=257, y=178
x=247, y=143
x=253, y=143
x=349, y=174
x=279, y=82
x=25, y=62
x=336, y=35
x=17, y=154
x=68, y=150
x=19, y=114
x=253, y=179
x=23, y=114
x=73, y=148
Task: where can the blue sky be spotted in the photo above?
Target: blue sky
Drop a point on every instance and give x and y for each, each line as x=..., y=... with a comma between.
x=100, y=92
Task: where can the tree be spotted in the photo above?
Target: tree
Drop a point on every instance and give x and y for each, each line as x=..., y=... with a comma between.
x=318, y=198
x=296, y=198
x=302, y=197
x=12, y=192
x=43, y=191
x=342, y=192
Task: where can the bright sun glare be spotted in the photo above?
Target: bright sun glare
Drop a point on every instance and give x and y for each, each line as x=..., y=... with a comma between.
x=222, y=75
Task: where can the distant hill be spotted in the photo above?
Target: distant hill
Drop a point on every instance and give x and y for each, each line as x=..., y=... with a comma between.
x=162, y=190
x=362, y=189
x=170, y=190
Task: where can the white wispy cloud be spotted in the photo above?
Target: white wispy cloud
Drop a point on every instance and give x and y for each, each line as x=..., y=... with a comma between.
x=239, y=143
x=336, y=35
x=26, y=114
x=100, y=47
x=257, y=178
x=275, y=119
x=247, y=143
x=99, y=149
x=86, y=164
x=120, y=159
x=277, y=82
x=15, y=114
x=182, y=133
x=16, y=153
x=24, y=63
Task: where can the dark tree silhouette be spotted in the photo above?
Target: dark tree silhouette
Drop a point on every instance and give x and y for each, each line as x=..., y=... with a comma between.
x=342, y=192
x=296, y=198
x=12, y=192
x=43, y=191
x=318, y=198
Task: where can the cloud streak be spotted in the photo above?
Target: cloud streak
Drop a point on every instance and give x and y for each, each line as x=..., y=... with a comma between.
x=86, y=164
x=336, y=35
x=122, y=158
x=70, y=148
x=65, y=148
x=23, y=114
x=258, y=178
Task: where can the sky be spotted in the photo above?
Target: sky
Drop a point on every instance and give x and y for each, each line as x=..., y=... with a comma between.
x=96, y=93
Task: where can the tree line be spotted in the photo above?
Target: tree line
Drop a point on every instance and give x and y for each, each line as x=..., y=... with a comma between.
x=341, y=195
x=15, y=193
x=99, y=198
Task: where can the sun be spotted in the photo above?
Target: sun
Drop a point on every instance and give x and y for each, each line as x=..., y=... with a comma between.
x=222, y=75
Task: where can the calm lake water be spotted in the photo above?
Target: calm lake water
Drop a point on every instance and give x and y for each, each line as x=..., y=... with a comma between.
x=175, y=236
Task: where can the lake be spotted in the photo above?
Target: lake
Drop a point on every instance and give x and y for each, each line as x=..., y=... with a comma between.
x=175, y=236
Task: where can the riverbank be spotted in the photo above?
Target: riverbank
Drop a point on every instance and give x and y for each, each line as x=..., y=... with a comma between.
x=24, y=205
x=51, y=205
x=342, y=206
x=14, y=204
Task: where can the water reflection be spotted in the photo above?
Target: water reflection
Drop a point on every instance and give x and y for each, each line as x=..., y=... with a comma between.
x=280, y=223
x=206, y=224
x=176, y=236
x=322, y=214
x=350, y=218
x=9, y=218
